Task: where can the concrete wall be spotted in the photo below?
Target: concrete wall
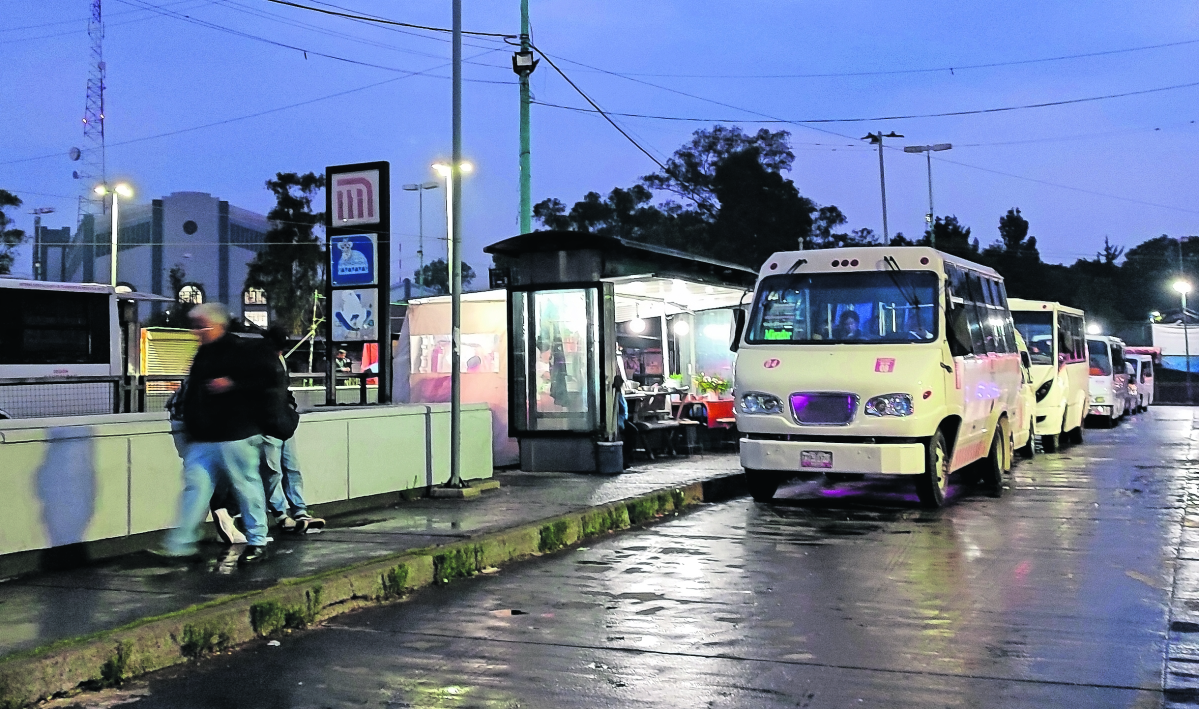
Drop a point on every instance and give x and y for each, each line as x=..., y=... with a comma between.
x=91, y=478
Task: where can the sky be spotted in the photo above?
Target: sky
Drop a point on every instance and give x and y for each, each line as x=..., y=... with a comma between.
x=1123, y=168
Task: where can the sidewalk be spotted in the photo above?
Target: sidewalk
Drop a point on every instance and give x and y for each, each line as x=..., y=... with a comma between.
x=60, y=606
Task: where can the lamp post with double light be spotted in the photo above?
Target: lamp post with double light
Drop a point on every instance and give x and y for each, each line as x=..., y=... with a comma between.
x=1183, y=288
x=120, y=189
x=419, y=189
x=877, y=139
x=928, y=151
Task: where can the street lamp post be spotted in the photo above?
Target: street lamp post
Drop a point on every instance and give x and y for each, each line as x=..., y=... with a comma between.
x=118, y=190
x=1183, y=288
x=928, y=151
x=453, y=176
x=877, y=139
x=419, y=189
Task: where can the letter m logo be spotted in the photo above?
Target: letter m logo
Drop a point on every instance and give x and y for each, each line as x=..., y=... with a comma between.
x=356, y=198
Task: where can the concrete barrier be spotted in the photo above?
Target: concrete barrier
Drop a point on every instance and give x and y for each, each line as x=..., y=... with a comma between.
x=84, y=479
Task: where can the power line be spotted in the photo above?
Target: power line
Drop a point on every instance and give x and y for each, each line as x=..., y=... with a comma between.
x=932, y=70
x=257, y=114
x=972, y=112
x=383, y=21
x=83, y=20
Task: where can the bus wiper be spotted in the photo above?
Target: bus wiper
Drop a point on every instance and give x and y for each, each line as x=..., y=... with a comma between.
x=796, y=265
x=893, y=268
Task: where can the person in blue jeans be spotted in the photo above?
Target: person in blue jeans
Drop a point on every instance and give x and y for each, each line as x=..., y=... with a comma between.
x=280, y=464
x=221, y=410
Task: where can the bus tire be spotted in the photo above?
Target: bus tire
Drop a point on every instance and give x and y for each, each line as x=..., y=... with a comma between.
x=933, y=482
x=991, y=468
x=762, y=484
x=1051, y=443
x=1076, y=435
x=1029, y=451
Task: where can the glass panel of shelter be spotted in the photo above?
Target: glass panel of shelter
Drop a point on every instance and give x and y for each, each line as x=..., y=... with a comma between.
x=562, y=377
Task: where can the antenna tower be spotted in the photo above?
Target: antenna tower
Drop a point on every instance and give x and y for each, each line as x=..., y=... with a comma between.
x=94, y=170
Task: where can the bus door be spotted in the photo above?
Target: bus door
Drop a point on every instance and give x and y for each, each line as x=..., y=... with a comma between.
x=971, y=380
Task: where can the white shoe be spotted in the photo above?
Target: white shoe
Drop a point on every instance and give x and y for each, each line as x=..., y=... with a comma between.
x=227, y=530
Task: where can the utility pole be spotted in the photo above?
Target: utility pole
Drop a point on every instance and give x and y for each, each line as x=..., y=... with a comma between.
x=523, y=63
x=419, y=189
x=38, y=266
x=456, y=258
x=877, y=139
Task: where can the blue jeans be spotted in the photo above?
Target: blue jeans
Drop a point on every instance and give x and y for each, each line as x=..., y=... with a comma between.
x=281, y=475
x=205, y=463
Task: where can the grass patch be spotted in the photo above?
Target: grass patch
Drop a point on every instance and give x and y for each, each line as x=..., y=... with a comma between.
x=204, y=639
x=678, y=499
x=270, y=617
x=458, y=563
x=553, y=536
x=115, y=670
x=394, y=581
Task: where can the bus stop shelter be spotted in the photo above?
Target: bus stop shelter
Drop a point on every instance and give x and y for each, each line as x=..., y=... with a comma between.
x=572, y=298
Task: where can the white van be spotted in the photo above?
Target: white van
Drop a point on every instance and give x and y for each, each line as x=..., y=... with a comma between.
x=1108, y=379
x=884, y=360
x=1144, y=374
x=1057, y=346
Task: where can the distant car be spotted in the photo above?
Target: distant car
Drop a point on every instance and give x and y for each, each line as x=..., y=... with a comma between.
x=1024, y=436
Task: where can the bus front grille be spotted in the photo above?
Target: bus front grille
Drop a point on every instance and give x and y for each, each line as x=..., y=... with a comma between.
x=824, y=408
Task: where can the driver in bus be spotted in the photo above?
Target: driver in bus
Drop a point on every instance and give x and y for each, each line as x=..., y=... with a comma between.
x=848, y=327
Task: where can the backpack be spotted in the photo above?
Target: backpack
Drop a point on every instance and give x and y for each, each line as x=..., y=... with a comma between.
x=174, y=405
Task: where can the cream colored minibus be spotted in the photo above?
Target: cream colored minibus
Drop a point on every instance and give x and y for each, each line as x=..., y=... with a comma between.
x=882, y=360
x=1057, y=344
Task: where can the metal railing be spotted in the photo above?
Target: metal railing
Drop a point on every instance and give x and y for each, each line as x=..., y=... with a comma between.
x=35, y=397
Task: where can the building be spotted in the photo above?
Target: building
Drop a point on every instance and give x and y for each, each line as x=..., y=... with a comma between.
x=210, y=240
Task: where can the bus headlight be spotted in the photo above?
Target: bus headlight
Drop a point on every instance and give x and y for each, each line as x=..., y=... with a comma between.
x=756, y=403
x=890, y=405
x=1043, y=390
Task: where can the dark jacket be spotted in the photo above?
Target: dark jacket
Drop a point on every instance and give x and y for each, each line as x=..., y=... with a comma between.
x=235, y=414
x=280, y=415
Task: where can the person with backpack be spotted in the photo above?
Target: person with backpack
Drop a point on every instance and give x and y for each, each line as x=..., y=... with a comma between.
x=280, y=466
x=222, y=411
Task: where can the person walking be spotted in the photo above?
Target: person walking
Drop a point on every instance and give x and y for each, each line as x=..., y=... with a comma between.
x=221, y=411
x=280, y=466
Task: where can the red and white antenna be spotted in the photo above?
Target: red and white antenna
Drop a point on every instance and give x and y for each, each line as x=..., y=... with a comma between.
x=93, y=169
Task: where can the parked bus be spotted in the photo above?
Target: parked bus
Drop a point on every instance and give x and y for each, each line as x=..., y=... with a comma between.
x=1057, y=345
x=57, y=340
x=1108, y=380
x=893, y=361
x=1145, y=359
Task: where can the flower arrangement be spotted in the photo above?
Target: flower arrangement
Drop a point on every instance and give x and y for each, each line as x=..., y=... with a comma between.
x=711, y=384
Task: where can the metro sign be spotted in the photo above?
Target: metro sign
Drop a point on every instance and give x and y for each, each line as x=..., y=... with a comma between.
x=356, y=198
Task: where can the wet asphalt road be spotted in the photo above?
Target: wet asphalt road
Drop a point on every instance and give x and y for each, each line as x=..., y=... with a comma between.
x=1062, y=593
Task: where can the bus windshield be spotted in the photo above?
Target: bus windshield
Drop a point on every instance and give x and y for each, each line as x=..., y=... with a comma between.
x=850, y=307
x=1101, y=362
x=1037, y=329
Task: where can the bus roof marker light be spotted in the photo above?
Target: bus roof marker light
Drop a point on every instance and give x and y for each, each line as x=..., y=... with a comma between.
x=853, y=262
x=923, y=260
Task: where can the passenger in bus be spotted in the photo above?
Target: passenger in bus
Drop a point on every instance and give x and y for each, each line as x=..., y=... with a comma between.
x=222, y=408
x=848, y=327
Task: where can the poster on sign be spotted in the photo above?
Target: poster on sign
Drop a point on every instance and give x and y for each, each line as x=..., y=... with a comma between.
x=355, y=315
x=352, y=260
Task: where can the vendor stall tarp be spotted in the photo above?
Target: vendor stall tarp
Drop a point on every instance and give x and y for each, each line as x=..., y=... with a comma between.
x=1169, y=337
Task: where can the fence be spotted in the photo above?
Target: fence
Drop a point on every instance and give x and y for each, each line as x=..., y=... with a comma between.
x=90, y=396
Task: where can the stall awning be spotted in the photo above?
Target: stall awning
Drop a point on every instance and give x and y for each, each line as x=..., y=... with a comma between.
x=650, y=295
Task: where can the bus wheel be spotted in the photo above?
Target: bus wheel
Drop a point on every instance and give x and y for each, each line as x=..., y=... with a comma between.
x=991, y=469
x=931, y=485
x=1076, y=436
x=1029, y=450
x=1051, y=443
x=762, y=484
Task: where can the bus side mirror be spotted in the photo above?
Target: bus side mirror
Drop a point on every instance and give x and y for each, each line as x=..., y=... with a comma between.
x=1024, y=358
x=738, y=328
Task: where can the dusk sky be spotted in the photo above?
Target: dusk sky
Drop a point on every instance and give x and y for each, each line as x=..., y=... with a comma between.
x=1123, y=168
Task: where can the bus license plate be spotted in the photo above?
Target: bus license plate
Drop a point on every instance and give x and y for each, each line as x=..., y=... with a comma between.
x=816, y=459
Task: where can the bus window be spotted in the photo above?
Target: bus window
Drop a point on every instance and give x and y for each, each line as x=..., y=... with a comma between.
x=1100, y=362
x=53, y=327
x=978, y=339
x=1147, y=370
x=1036, y=326
x=1010, y=333
x=1118, y=358
x=845, y=307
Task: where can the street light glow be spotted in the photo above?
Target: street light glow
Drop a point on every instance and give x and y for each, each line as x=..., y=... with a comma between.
x=1182, y=287
x=443, y=168
x=1094, y=328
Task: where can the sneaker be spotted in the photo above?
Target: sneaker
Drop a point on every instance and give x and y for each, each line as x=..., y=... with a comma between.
x=252, y=554
x=310, y=525
x=226, y=529
x=287, y=524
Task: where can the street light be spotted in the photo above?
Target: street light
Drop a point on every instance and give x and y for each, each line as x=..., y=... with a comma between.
x=877, y=139
x=420, y=200
x=928, y=151
x=444, y=169
x=1183, y=288
x=453, y=177
x=123, y=190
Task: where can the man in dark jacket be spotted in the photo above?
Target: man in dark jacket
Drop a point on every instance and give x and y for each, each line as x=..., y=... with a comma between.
x=221, y=411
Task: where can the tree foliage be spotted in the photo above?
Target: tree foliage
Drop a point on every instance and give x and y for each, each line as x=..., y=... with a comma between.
x=291, y=265
x=10, y=239
x=436, y=275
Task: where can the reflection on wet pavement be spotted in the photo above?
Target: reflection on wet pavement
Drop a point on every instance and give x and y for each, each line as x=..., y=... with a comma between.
x=1058, y=594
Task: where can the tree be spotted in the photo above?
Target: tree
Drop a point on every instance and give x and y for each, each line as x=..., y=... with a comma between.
x=290, y=267
x=1013, y=230
x=953, y=237
x=436, y=275
x=176, y=315
x=10, y=239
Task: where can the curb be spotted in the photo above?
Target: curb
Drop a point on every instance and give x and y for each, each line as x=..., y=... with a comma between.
x=109, y=658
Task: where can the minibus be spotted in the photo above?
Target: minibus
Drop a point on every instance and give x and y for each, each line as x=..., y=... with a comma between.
x=1057, y=345
x=880, y=360
x=1144, y=376
x=1108, y=379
